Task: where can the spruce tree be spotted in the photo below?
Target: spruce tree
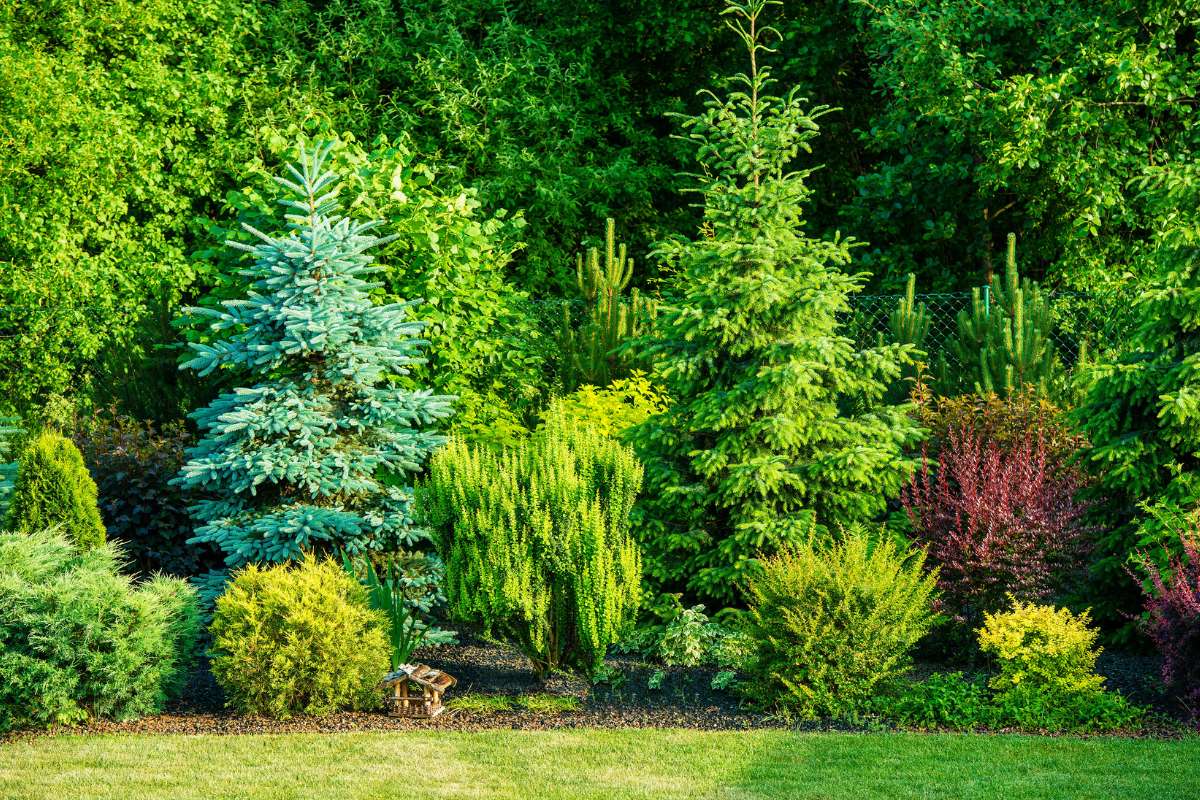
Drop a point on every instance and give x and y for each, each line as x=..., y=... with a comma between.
x=780, y=427
x=314, y=454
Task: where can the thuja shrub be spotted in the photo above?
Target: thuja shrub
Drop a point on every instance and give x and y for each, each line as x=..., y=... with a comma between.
x=997, y=521
x=133, y=463
x=78, y=640
x=297, y=640
x=1046, y=676
x=536, y=540
x=54, y=490
x=1173, y=621
x=828, y=622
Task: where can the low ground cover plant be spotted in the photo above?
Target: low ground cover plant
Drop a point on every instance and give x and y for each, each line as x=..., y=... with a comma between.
x=79, y=640
x=830, y=621
x=297, y=639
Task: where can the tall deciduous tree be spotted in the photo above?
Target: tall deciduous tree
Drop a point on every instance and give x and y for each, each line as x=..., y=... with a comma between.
x=1142, y=415
x=780, y=426
x=314, y=454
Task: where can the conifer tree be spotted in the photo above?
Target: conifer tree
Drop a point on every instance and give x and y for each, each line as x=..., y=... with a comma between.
x=313, y=456
x=1004, y=344
x=53, y=489
x=779, y=427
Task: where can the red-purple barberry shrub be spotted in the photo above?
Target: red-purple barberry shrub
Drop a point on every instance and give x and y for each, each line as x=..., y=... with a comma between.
x=998, y=520
x=1173, y=620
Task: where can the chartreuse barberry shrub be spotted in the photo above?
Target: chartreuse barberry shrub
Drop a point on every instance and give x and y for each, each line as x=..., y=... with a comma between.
x=1046, y=677
x=779, y=425
x=829, y=621
x=134, y=463
x=311, y=452
x=297, y=639
x=1173, y=619
x=998, y=521
x=78, y=640
x=536, y=541
x=1142, y=415
x=614, y=409
x=54, y=490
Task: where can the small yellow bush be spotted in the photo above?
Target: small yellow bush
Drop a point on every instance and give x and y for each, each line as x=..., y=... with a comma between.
x=297, y=639
x=613, y=409
x=1042, y=646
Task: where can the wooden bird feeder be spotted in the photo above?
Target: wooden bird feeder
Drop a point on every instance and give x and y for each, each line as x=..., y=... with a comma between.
x=415, y=691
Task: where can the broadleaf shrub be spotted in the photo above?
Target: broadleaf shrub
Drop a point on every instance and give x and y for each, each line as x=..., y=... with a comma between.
x=133, y=463
x=54, y=490
x=79, y=640
x=297, y=640
x=997, y=521
x=613, y=409
x=1006, y=421
x=828, y=622
x=1046, y=676
x=536, y=541
x=1173, y=621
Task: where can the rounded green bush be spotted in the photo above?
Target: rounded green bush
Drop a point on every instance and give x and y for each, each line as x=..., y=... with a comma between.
x=54, y=490
x=297, y=639
x=78, y=640
x=829, y=622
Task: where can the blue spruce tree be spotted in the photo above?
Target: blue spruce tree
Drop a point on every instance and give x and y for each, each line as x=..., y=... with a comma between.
x=315, y=454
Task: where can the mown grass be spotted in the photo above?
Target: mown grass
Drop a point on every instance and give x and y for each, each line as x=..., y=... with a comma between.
x=601, y=764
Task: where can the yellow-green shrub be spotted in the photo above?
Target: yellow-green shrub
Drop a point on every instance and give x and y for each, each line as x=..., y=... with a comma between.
x=297, y=639
x=536, y=540
x=54, y=490
x=612, y=409
x=829, y=621
x=1047, y=672
x=1042, y=646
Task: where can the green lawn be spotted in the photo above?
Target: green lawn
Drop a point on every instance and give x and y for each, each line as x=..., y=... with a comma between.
x=597, y=764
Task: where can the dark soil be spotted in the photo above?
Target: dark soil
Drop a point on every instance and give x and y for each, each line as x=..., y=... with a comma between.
x=684, y=700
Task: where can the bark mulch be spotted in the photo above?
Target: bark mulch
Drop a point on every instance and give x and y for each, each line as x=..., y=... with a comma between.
x=684, y=700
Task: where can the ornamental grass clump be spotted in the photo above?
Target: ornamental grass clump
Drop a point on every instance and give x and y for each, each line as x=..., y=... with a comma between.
x=78, y=640
x=297, y=639
x=536, y=542
x=830, y=621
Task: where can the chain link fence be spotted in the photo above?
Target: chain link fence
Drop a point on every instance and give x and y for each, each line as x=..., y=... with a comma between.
x=1096, y=324
x=1099, y=324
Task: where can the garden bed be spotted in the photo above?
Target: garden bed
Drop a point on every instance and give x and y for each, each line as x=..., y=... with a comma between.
x=487, y=670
